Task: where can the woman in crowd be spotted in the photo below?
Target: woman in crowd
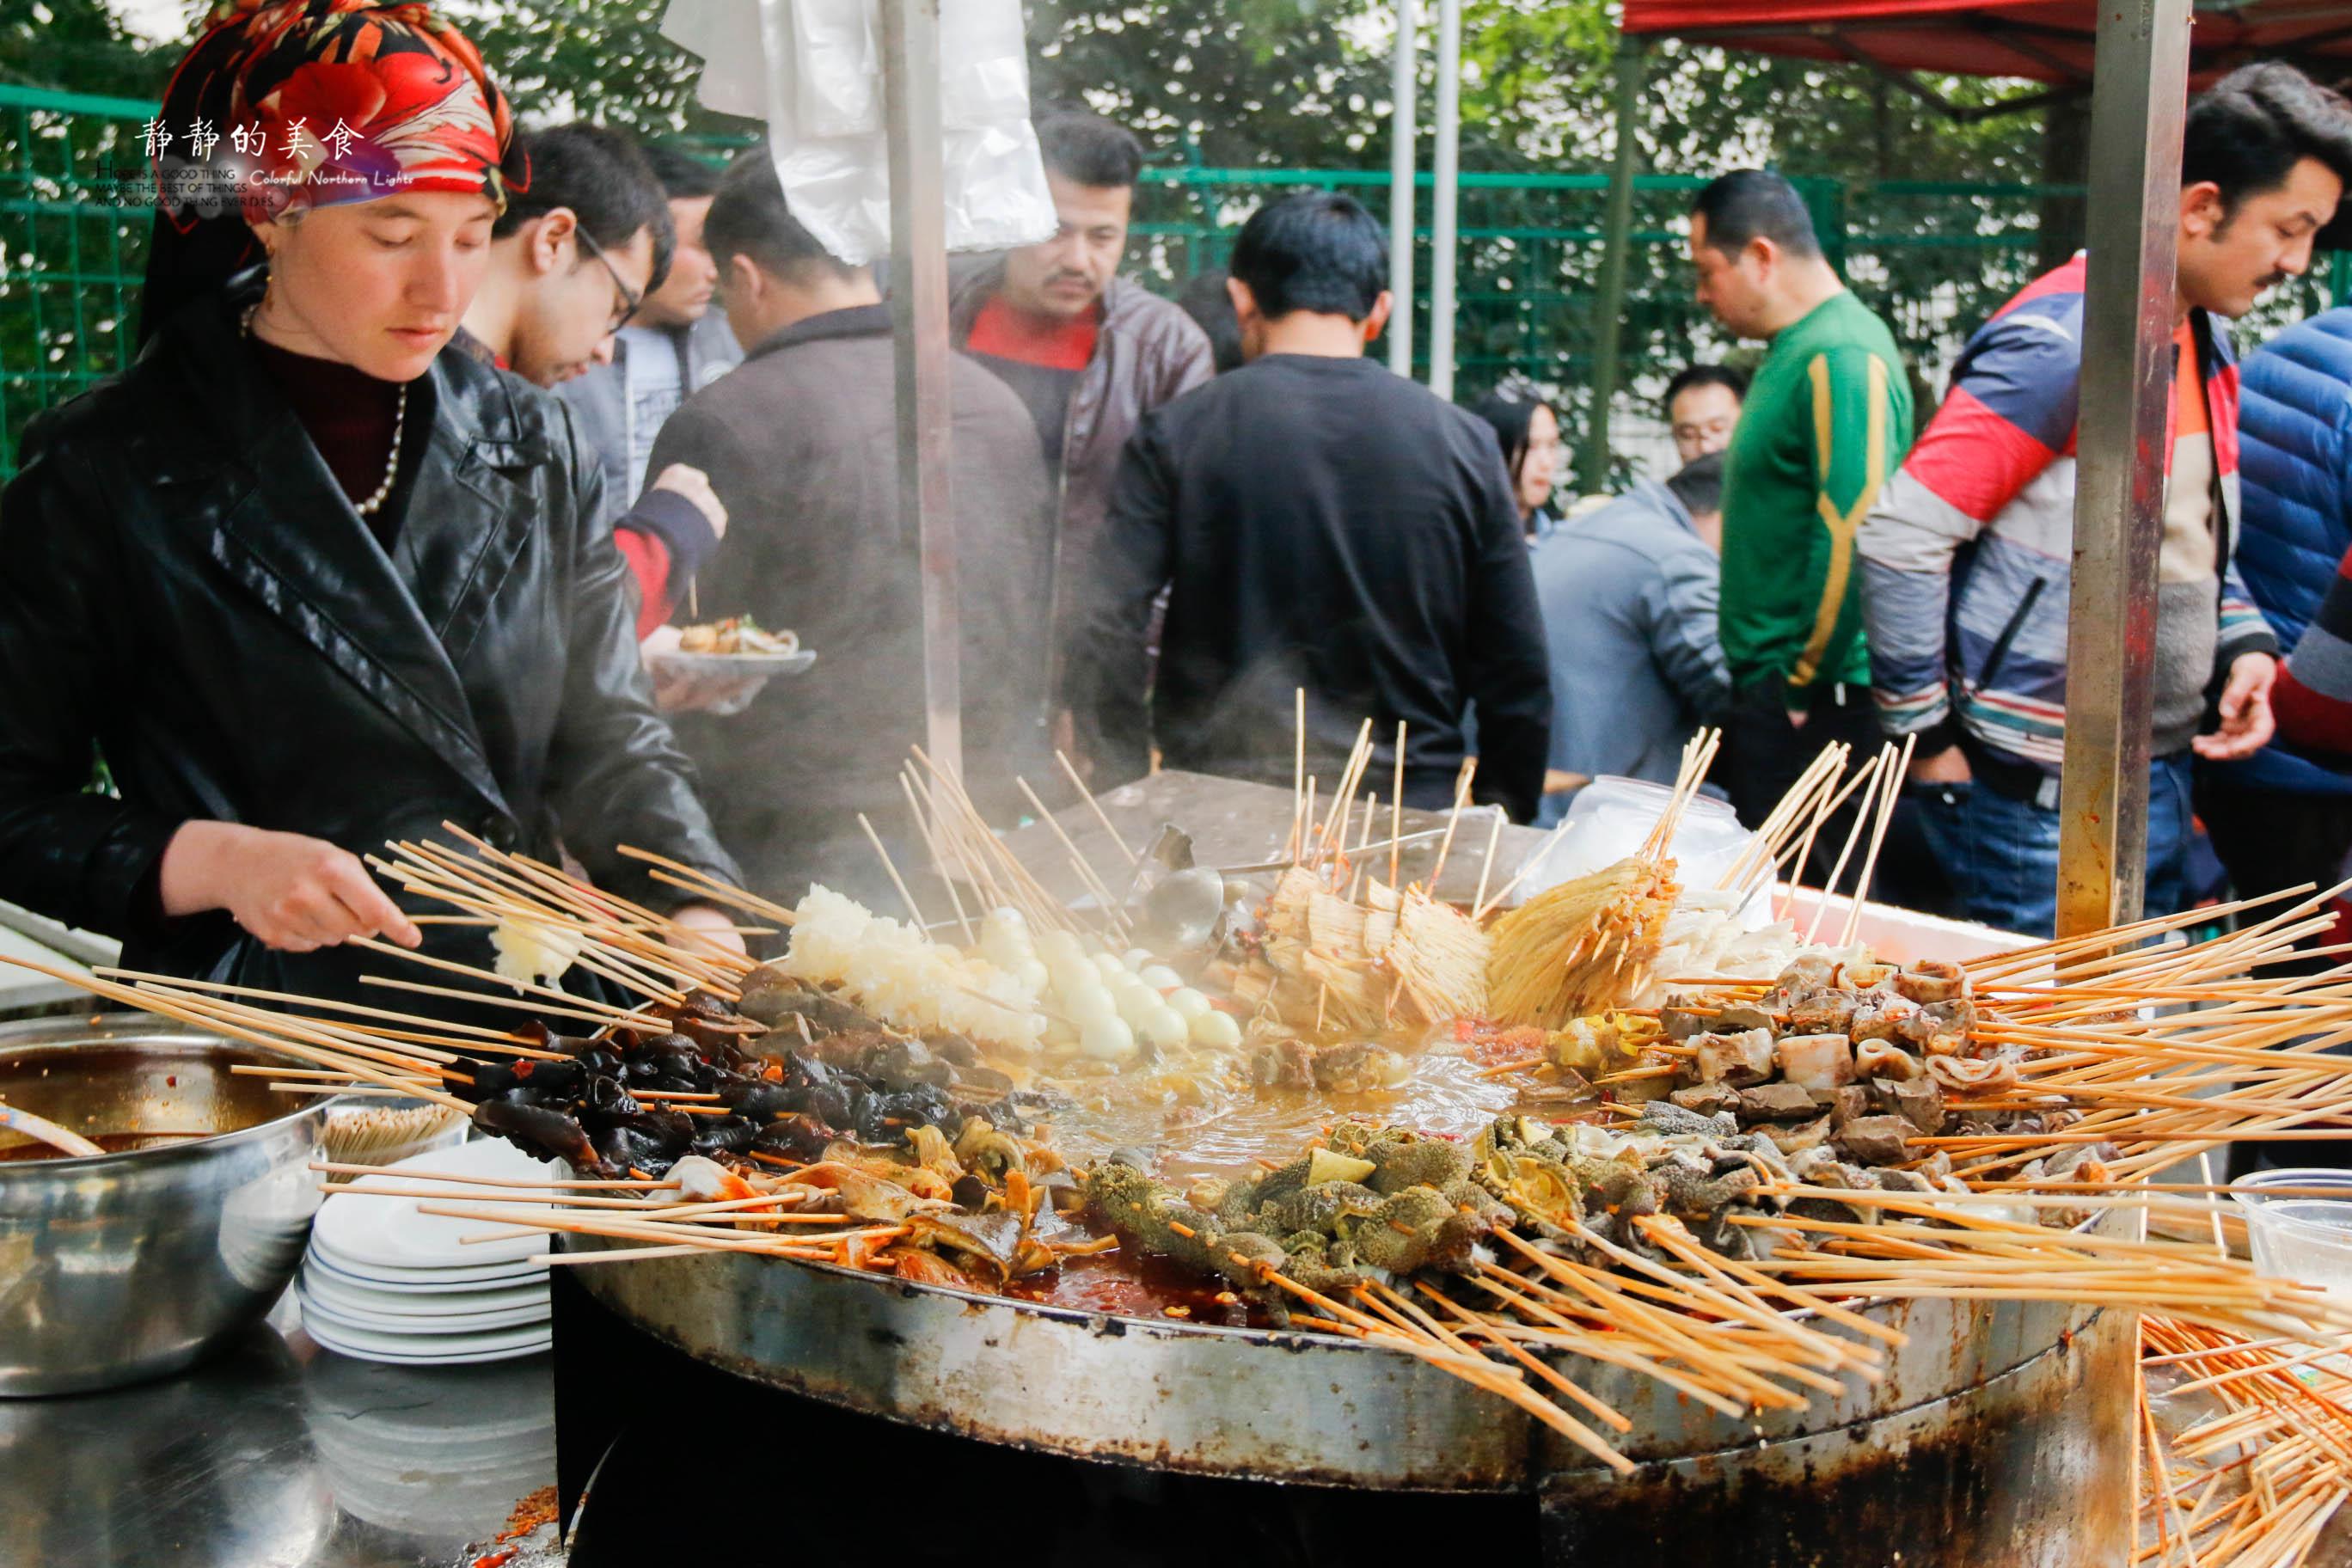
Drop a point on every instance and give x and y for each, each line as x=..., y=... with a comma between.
x=301, y=578
x=1528, y=430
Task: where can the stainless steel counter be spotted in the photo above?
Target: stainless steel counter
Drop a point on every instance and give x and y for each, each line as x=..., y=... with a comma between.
x=277, y=1455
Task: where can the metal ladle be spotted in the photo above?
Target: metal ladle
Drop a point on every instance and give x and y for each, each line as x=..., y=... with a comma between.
x=1185, y=906
x=1178, y=904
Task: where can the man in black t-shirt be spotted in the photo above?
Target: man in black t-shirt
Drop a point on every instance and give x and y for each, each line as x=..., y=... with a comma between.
x=1321, y=524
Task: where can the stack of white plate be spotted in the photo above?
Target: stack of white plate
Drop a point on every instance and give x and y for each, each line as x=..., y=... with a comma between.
x=384, y=1282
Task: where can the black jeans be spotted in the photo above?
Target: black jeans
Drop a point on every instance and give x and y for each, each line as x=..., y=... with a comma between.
x=2269, y=840
x=1764, y=755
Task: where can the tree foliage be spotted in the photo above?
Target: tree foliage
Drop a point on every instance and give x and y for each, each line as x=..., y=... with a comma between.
x=1228, y=83
x=1305, y=84
x=79, y=46
x=596, y=59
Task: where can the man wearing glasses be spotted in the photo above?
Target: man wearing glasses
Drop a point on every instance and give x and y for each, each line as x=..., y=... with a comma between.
x=570, y=260
x=571, y=257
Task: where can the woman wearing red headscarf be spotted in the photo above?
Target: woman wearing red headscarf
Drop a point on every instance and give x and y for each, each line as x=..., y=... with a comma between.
x=306, y=578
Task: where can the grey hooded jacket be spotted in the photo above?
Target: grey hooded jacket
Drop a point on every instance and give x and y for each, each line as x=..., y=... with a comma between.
x=600, y=396
x=1629, y=596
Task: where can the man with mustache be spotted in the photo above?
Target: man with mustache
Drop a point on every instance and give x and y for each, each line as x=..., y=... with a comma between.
x=1088, y=351
x=1967, y=556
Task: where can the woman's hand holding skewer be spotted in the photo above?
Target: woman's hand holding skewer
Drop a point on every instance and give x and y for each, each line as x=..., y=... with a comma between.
x=290, y=892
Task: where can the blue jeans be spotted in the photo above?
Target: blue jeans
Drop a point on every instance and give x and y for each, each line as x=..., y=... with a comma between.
x=2001, y=853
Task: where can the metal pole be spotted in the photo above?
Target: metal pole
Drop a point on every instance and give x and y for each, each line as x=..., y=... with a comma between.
x=919, y=319
x=2138, y=100
x=1592, y=468
x=1404, y=161
x=1448, y=188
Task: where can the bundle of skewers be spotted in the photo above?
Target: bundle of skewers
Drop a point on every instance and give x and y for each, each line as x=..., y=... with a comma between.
x=1774, y=1151
x=2258, y=1462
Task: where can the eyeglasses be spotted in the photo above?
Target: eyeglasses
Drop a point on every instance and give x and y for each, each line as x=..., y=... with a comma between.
x=630, y=298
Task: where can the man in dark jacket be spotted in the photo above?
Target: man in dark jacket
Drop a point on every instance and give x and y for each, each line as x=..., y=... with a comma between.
x=589, y=247
x=1089, y=353
x=801, y=445
x=1322, y=525
x=2278, y=818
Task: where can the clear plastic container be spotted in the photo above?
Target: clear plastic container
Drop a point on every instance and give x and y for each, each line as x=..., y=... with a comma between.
x=2297, y=1230
x=1613, y=817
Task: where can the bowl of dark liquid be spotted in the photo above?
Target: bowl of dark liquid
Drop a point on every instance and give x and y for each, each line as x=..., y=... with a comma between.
x=137, y=1261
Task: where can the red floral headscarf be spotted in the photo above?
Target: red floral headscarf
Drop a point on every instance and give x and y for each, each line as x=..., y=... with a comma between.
x=291, y=103
x=312, y=102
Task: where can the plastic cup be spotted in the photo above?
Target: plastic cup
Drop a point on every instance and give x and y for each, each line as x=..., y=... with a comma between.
x=2297, y=1229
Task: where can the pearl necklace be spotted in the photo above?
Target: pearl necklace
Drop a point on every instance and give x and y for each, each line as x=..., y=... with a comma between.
x=373, y=502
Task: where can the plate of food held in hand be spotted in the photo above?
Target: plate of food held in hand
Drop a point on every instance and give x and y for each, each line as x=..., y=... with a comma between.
x=737, y=644
x=719, y=666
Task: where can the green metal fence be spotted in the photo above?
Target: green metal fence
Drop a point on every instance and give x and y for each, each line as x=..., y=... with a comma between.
x=73, y=241
x=1935, y=258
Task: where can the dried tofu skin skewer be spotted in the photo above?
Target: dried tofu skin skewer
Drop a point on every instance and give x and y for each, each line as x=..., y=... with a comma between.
x=1441, y=956
x=1566, y=951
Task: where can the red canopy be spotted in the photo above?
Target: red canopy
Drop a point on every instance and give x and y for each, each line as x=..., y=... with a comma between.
x=2042, y=41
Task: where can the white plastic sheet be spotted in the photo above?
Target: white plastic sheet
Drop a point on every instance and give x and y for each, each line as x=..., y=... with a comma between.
x=812, y=71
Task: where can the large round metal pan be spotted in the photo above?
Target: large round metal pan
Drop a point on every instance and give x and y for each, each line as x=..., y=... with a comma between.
x=1296, y=1408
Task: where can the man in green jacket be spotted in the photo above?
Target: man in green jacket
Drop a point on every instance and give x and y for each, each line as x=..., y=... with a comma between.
x=1827, y=420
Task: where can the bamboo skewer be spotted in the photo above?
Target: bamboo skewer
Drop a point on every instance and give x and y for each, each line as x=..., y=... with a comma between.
x=1827, y=804
x=172, y=1007
x=601, y=1010
x=523, y=1004
x=1452, y=820
x=470, y=1036
x=1403, y=1313
x=627, y=969
x=1869, y=780
x=1396, y=811
x=939, y=857
x=348, y=1168
x=1301, y=808
x=1698, y=756
x=972, y=831
x=1486, y=863
x=621, y=922
x=1883, y=816
x=1343, y=793
x=615, y=1254
x=1114, y=923
x=717, y=890
x=1096, y=807
x=913, y=910
x=351, y=1050
x=1763, y=850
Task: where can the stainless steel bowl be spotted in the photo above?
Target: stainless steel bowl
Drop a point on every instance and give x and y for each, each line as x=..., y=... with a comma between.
x=130, y=1265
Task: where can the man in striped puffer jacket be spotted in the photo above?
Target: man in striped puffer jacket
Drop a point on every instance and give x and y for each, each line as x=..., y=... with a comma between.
x=1967, y=554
